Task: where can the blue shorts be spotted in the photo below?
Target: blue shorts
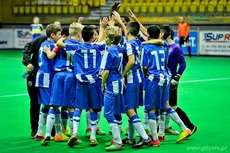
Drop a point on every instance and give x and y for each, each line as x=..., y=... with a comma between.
x=44, y=95
x=155, y=95
x=63, y=93
x=133, y=95
x=113, y=104
x=88, y=95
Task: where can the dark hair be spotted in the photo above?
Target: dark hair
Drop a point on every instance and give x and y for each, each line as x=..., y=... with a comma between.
x=126, y=18
x=133, y=27
x=52, y=29
x=165, y=28
x=65, y=31
x=171, y=33
x=87, y=33
x=95, y=28
x=153, y=31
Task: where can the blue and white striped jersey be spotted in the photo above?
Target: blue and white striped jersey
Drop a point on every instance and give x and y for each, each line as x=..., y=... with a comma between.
x=112, y=61
x=45, y=72
x=65, y=60
x=135, y=74
x=153, y=57
x=87, y=60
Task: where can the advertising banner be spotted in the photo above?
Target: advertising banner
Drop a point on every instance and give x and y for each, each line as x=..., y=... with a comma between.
x=215, y=43
x=21, y=37
x=193, y=40
x=6, y=38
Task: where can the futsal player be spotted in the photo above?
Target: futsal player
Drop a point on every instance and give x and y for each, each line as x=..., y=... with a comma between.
x=44, y=76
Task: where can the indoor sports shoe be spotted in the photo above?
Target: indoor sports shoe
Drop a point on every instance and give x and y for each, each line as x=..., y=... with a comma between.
x=128, y=141
x=88, y=133
x=72, y=140
x=33, y=133
x=142, y=142
x=162, y=138
x=110, y=142
x=194, y=130
x=45, y=141
x=39, y=137
x=100, y=131
x=155, y=143
x=67, y=131
x=114, y=147
x=183, y=134
x=61, y=138
x=171, y=131
x=93, y=142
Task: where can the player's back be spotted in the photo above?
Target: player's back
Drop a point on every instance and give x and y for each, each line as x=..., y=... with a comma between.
x=135, y=74
x=113, y=58
x=87, y=59
x=64, y=58
x=155, y=57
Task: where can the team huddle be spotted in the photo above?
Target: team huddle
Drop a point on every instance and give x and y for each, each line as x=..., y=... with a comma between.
x=113, y=68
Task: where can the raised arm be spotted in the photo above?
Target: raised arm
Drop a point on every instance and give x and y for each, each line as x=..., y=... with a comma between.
x=117, y=18
x=103, y=24
x=143, y=29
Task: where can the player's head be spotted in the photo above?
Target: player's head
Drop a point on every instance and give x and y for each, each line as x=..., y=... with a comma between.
x=57, y=23
x=153, y=32
x=182, y=19
x=165, y=31
x=133, y=28
x=65, y=33
x=125, y=19
x=88, y=34
x=75, y=30
x=113, y=35
x=96, y=32
x=36, y=20
x=53, y=32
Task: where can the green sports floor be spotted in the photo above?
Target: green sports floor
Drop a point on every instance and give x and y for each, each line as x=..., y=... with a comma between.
x=204, y=93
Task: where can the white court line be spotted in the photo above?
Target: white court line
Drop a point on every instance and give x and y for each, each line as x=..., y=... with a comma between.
x=190, y=81
x=205, y=80
x=15, y=95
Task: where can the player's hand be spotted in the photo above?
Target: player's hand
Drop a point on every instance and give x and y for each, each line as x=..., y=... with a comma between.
x=104, y=22
x=30, y=68
x=116, y=16
x=174, y=82
x=46, y=49
x=184, y=38
x=80, y=20
x=132, y=15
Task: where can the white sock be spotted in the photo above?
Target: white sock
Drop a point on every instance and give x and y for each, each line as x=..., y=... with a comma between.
x=161, y=124
x=131, y=130
x=167, y=122
x=115, y=132
x=50, y=123
x=88, y=119
x=146, y=120
x=94, y=124
x=41, y=123
x=174, y=116
x=64, y=119
x=57, y=124
x=140, y=129
x=153, y=125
